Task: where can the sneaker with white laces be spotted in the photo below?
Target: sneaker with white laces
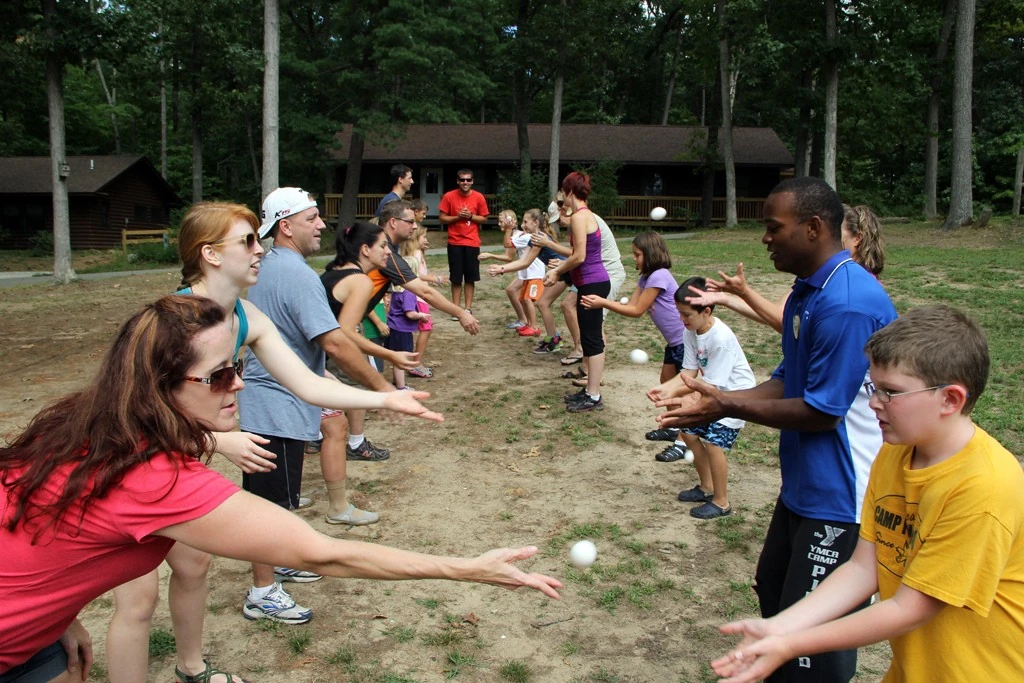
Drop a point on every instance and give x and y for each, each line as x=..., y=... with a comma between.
x=515, y=325
x=585, y=404
x=276, y=605
x=283, y=574
x=366, y=452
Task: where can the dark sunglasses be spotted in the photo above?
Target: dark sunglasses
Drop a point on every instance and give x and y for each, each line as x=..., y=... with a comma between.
x=220, y=380
x=465, y=180
x=249, y=238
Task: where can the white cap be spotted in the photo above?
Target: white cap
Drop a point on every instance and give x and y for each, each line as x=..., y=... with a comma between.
x=281, y=203
x=554, y=212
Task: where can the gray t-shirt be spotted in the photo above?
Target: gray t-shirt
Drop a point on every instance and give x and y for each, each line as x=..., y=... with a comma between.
x=292, y=296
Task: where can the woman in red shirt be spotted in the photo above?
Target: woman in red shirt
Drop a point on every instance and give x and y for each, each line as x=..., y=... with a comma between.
x=102, y=483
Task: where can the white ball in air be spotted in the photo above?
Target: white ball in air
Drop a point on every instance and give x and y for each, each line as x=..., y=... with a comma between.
x=583, y=554
x=658, y=213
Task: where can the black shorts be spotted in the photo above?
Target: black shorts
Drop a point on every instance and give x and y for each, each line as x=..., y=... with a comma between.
x=463, y=264
x=280, y=486
x=798, y=554
x=45, y=665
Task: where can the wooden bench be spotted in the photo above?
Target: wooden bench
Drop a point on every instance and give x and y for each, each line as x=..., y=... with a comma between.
x=144, y=237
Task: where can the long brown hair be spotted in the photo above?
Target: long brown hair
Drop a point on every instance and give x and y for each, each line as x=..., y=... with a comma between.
x=123, y=418
x=205, y=223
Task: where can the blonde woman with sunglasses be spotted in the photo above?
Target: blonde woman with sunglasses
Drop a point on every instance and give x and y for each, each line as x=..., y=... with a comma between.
x=105, y=483
x=221, y=255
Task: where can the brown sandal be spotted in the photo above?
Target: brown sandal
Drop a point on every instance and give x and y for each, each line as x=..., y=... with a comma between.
x=578, y=373
x=582, y=382
x=571, y=360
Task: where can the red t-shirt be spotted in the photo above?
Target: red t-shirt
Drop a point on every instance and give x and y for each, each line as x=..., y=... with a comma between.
x=463, y=233
x=44, y=586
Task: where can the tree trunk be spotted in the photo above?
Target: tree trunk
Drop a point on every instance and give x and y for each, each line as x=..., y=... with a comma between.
x=831, y=95
x=271, y=106
x=163, y=122
x=556, y=135
x=63, y=271
x=804, y=134
x=111, y=96
x=1018, y=181
x=726, y=79
x=710, y=159
x=519, y=103
x=961, y=198
x=195, y=113
x=931, y=151
x=253, y=156
x=350, y=192
x=670, y=91
x=197, y=157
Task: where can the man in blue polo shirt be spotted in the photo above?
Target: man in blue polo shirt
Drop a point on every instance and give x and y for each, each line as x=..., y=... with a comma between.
x=828, y=435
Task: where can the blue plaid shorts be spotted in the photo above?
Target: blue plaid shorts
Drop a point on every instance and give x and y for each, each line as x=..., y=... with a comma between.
x=716, y=434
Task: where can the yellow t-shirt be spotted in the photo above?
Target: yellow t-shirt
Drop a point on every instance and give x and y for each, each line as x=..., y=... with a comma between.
x=955, y=532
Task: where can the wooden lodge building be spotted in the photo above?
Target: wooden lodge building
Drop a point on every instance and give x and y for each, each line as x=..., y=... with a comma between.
x=659, y=165
x=106, y=195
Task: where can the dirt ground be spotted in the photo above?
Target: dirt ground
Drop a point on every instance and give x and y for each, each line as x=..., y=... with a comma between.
x=508, y=467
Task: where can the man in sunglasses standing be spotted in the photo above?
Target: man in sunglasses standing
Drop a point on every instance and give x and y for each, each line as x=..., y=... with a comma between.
x=290, y=293
x=816, y=398
x=463, y=211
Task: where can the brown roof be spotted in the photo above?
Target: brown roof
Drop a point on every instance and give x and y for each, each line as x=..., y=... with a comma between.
x=89, y=174
x=496, y=143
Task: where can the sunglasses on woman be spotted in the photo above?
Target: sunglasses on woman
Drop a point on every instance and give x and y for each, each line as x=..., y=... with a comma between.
x=249, y=238
x=220, y=380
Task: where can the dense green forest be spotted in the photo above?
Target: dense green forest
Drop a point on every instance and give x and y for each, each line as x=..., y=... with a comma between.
x=198, y=66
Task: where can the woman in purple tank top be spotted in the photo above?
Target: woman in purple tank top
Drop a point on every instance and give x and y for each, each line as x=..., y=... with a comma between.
x=587, y=271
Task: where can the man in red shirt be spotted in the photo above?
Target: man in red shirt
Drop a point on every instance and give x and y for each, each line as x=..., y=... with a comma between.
x=463, y=210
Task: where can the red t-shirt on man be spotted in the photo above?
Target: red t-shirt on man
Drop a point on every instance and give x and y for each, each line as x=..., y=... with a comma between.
x=463, y=233
x=43, y=585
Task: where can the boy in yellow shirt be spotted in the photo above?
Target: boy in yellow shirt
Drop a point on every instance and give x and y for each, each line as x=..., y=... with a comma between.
x=942, y=529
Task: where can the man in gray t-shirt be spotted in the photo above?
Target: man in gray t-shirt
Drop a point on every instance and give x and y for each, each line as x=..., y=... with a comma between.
x=294, y=299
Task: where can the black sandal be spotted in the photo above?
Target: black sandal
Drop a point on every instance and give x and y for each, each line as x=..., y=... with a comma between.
x=578, y=373
x=204, y=676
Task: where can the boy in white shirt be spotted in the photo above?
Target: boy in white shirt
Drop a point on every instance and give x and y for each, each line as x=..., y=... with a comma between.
x=711, y=349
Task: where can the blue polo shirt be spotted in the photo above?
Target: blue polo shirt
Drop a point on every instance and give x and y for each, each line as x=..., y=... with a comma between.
x=825, y=325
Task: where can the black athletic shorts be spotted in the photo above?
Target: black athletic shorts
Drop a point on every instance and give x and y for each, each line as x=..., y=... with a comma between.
x=463, y=264
x=798, y=554
x=280, y=486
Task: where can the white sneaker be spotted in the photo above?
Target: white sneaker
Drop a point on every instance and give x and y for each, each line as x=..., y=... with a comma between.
x=276, y=605
x=283, y=574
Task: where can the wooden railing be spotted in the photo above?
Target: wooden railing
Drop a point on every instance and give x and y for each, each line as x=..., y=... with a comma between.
x=635, y=210
x=130, y=237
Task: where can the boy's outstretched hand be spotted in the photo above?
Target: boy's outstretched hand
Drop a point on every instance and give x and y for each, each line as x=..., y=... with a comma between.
x=755, y=657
